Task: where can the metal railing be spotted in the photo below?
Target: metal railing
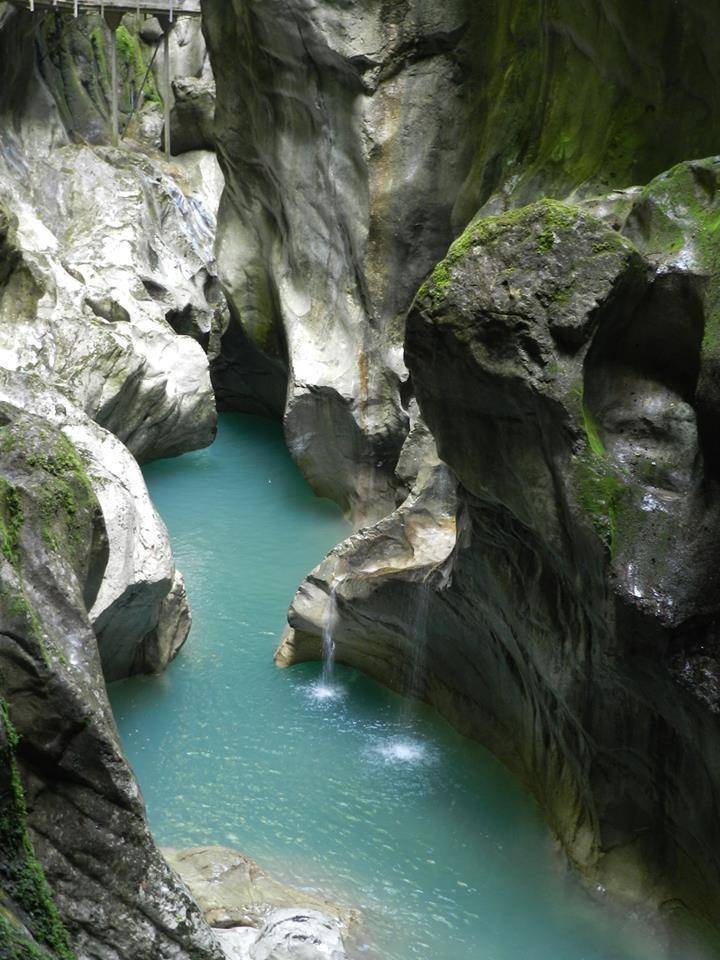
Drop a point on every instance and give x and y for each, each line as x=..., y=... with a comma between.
x=169, y=8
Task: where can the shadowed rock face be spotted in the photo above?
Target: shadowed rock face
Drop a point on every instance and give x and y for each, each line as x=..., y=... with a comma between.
x=113, y=890
x=191, y=122
x=573, y=410
x=570, y=624
x=357, y=140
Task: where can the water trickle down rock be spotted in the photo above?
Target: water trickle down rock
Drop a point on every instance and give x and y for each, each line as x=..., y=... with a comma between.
x=405, y=553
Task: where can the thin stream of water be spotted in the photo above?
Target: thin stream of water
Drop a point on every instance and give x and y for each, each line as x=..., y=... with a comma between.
x=391, y=812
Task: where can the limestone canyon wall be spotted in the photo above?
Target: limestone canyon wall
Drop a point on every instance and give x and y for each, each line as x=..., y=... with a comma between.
x=358, y=140
x=559, y=550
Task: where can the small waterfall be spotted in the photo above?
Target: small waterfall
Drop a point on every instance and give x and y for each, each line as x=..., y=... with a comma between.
x=417, y=645
x=327, y=688
x=420, y=632
x=328, y=642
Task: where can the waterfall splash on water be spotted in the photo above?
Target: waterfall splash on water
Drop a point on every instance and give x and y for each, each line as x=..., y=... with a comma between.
x=327, y=688
x=406, y=748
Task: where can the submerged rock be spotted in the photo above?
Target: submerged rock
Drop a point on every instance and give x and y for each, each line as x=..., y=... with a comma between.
x=233, y=891
x=256, y=917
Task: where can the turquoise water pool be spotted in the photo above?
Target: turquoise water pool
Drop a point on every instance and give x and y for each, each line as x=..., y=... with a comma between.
x=372, y=803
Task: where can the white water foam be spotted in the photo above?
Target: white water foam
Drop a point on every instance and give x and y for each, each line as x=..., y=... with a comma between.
x=322, y=691
x=402, y=750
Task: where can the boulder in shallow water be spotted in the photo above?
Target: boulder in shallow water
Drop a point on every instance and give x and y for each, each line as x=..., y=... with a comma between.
x=256, y=917
x=287, y=935
x=233, y=891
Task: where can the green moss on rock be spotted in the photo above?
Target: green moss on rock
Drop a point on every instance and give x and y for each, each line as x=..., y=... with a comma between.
x=677, y=216
x=11, y=521
x=548, y=217
x=76, y=67
x=64, y=488
x=600, y=489
x=132, y=69
x=568, y=98
x=22, y=879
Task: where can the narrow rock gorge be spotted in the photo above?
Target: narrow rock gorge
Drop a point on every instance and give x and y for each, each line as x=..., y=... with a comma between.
x=467, y=253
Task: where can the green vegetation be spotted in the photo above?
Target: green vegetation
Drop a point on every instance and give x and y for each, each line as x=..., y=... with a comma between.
x=565, y=101
x=21, y=876
x=680, y=210
x=11, y=521
x=18, y=606
x=557, y=219
x=132, y=68
x=15, y=943
x=553, y=217
x=75, y=65
x=600, y=490
x=64, y=489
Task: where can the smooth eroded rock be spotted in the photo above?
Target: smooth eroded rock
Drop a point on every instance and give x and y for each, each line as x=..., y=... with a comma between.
x=232, y=890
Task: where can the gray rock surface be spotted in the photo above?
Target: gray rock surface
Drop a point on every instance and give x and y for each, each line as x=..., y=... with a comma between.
x=96, y=287
x=298, y=935
x=286, y=935
x=397, y=564
x=338, y=132
x=193, y=113
x=139, y=612
x=357, y=140
x=103, y=254
x=254, y=916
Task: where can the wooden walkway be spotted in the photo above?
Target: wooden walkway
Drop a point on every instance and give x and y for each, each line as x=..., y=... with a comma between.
x=112, y=12
x=167, y=8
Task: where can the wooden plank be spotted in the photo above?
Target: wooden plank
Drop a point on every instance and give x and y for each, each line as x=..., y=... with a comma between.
x=180, y=8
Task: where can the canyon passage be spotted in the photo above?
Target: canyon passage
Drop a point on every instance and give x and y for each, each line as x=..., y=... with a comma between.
x=367, y=797
x=462, y=260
